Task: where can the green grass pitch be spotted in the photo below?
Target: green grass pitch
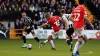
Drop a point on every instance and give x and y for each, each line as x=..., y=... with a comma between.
x=13, y=48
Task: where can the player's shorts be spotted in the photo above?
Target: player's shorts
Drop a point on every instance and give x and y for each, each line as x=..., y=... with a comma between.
x=56, y=35
x=32, y=31
x=28, y=30
x=70, y=31
x=79, y=31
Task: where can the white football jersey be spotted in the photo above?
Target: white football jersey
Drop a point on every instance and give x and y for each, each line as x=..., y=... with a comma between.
x=66, y=17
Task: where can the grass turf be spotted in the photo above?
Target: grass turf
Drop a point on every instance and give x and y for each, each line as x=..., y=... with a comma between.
x=13, y=48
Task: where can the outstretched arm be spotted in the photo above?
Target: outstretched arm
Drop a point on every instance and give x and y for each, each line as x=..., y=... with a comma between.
x=65, y=22
x=43, y=25
x=87, y=21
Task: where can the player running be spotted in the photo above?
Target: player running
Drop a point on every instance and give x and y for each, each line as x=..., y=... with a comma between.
x=68, y=26
x=78, y=15
x=54, y=21
x=28, y=28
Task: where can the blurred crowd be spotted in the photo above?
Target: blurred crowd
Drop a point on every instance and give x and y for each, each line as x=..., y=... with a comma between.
x=96, y=24
x=94, y=7
x=2, y=27
x=96, y=3
x=96, y=12
x=10, y=10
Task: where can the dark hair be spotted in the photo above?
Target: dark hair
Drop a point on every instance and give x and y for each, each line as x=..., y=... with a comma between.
x=62, y=11
x=81, y=1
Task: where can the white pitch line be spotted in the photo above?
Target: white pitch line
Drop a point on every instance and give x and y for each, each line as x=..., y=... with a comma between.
x=89, y=52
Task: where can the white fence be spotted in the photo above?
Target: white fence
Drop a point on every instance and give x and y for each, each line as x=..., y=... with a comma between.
x=42, y=34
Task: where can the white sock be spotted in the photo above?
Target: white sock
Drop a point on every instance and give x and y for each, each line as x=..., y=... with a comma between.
x=25, y=35
x=76, y=47
x=52, y=44
x=45, y=41
x=82, y=43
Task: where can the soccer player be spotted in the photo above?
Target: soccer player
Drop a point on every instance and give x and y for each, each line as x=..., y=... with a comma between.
x=28, y=27
x=78, y=15
x=54, y=21
x=68, y=26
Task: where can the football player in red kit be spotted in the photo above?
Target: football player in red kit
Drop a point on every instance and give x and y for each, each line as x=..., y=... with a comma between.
x=78, y=17
x=54, y=21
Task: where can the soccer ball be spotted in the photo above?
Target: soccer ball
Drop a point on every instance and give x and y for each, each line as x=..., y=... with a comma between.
x=29, y=46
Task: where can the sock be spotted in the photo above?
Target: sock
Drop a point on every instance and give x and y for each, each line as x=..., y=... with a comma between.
x=82, y=43
x=68, y=41
x=52, y=43
x=76, y=47
x=45, y=41
x=24, y=39
x=37, y=39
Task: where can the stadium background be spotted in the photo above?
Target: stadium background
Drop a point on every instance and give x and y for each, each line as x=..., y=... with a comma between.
x=10, y=12
x=10, y=15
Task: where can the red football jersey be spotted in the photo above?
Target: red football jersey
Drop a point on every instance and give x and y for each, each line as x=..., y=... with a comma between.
x=54, y=22
x=79, y=12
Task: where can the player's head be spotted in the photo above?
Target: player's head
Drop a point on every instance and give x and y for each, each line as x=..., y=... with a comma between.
x=81, y=2
x=47, y=15
x=24, y=15
x=62, y=11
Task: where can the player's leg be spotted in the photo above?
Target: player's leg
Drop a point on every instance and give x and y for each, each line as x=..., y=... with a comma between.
x=81, y=40
x=69, y=32
x=50, y=39
x=78, y=44
x=69, y=42
x=69, y=37
x=76, y=47
x=24, y=39
x=54, y=36
x=25, y=32
x=44, y=42
x=35, y=37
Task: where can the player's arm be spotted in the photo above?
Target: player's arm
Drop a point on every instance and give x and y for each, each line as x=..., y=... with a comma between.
x=43, y=25
x=65, y=23
x=71, y=17
x=87, y=21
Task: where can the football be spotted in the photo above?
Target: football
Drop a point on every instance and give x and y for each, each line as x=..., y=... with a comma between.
x=29, y=46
